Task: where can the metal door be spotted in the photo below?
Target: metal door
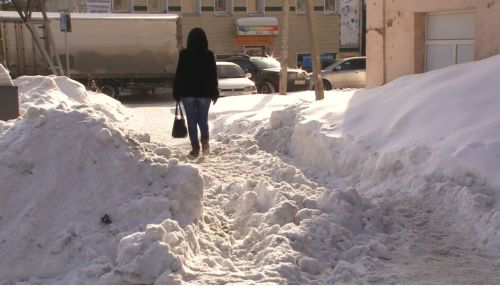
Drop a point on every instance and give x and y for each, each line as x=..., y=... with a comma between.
x=449, y=39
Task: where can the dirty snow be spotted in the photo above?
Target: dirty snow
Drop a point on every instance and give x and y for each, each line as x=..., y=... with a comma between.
x=395, y=184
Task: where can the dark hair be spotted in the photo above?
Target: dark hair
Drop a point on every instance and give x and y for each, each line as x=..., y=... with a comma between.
x=197, y=39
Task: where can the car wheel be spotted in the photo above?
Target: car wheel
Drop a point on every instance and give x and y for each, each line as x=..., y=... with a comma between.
x=267, y=87
x=109, y=90
x=326, y=85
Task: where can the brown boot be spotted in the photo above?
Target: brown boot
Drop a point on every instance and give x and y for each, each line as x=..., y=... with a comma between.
x=196, y=151
x=205, y=147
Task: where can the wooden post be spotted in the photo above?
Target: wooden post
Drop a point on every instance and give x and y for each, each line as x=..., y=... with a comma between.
x=315, y=57
x=284, y=48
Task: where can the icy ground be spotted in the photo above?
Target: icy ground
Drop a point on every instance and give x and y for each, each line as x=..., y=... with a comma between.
x=396, y=184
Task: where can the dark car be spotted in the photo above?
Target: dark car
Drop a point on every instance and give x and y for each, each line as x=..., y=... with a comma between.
x=266, y=73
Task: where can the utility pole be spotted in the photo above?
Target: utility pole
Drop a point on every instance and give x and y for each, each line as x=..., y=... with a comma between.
x=284, y=48
x=315, y=57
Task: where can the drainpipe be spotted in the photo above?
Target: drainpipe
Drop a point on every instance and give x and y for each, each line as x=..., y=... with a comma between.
x=384, y=43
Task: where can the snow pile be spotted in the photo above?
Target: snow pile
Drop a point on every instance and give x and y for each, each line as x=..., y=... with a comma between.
x=60, y=91
x=5, y=79
x=426, y=139
x=75, y=188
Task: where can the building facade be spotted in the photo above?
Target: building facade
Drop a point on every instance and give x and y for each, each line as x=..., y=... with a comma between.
x=415, y=36
x=237, y=26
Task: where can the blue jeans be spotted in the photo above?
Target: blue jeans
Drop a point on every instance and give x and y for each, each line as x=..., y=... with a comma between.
x=197, y=115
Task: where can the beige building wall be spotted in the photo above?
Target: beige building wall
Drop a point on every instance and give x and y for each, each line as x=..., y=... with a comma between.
x=396, y=34
x=221, y=31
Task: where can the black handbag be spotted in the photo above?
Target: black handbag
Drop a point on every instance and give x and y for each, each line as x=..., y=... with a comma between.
x=179, y=130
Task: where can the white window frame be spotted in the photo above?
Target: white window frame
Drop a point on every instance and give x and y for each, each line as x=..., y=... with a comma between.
x=335, y=11
x=228, y=11
x=304, y=4
x=259, y=10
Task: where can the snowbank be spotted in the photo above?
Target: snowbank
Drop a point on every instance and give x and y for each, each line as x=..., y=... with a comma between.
x=75, y=187
x=431, y=135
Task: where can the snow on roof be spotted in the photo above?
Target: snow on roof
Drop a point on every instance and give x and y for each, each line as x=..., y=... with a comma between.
x=56, y=15
x=257, y=21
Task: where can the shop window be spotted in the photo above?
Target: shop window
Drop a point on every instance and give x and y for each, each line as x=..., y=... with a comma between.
x=256, y=7
x=192, y=7
x=300, y=6
x=120, y=5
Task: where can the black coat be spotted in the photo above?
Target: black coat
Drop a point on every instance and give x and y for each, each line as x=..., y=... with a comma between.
x=196, y=74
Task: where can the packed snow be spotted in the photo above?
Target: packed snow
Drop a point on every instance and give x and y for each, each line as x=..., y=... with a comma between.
x=394, y=184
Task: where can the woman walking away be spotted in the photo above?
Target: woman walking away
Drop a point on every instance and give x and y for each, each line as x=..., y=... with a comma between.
x=196, y=84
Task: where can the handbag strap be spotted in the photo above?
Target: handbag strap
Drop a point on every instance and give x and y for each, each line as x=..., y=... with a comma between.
x=178, y=107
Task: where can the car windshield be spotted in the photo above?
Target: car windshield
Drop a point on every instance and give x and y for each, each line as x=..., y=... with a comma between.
x=229, y=71
x=266, y=63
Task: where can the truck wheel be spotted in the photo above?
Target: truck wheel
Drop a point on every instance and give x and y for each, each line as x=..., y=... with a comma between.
x=109, y=90
x=267, y=87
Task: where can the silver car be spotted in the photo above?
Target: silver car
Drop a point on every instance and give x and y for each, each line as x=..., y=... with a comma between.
x=346, y=73
x=233, y=80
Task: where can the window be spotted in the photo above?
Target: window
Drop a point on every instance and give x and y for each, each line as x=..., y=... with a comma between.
x=139, y=6
x=120, y=5
x=229, y=71
x=330, y=6
x=222, y=6
x=256, y=7
x=359, y=64
x=304, y=61
x=347, y=66
x=300, y=6
x=246, y=65
x=352, y=65
x=155, y=6
x=191, y=7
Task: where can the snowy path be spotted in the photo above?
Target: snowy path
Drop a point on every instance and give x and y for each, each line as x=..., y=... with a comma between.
x=239, y=248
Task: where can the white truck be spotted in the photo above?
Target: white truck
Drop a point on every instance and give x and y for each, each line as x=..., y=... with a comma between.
x=115, y=53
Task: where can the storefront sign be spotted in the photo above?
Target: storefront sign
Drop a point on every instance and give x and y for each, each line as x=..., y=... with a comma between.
x=253, y=26
x=253, y=40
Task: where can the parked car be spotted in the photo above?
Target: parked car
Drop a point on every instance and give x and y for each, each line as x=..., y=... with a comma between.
x=266, y=73
x=346, y=73
x=233, y=80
